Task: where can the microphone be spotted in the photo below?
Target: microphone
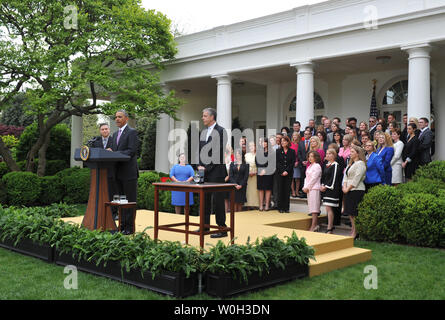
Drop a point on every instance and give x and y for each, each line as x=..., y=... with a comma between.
x=92, y=141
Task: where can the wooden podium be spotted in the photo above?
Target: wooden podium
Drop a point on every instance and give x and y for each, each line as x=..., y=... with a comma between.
x=99, y=160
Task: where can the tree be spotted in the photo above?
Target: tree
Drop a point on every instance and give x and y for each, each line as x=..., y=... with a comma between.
x=15, y=112
x=66, y=54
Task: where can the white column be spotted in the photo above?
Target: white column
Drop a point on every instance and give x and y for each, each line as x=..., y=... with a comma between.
x=224, y=101
x=440, y=117
x=76, y=138
x=305, y=92
x=419, y=80
x=162, y=144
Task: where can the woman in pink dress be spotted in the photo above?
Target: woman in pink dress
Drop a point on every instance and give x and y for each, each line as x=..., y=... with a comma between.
x=312, y=187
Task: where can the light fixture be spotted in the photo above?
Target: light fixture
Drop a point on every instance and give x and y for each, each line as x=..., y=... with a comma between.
x=186, y=91
x=383, y=59
x=239, y=83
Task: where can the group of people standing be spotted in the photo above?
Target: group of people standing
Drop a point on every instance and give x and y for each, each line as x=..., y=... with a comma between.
x=328, y=165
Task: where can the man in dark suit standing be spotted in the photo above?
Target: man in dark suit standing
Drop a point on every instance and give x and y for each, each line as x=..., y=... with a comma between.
x=425, y=142
x=104, y=141
x=211, y=160
x=126, y=141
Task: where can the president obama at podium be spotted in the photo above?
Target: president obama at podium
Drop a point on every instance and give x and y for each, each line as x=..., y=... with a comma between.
x=126, y=141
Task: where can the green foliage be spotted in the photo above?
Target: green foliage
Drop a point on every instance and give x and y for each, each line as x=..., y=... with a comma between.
x=412, y=213
x=434, y=170
x=59, y=147
x=148, y=151
x=15, y=112
x=76, y=186
x=379, y=214
x=3, y=169
x=242, y=260
x=10, y=141
x=3, y=194
x=140, y=252
x=423, y=219
x=52, y=190
x=55, y=166
x=422, y=185
x=22, y=188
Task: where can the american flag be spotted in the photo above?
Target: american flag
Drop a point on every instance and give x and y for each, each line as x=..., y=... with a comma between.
x=373, y=112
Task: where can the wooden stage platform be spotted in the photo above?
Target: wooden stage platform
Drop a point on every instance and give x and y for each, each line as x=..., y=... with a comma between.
x=331, y=251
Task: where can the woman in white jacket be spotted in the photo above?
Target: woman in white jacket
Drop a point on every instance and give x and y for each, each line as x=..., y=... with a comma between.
x=396, y=161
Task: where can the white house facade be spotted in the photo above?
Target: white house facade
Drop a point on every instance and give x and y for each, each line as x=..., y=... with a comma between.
x=312, y=61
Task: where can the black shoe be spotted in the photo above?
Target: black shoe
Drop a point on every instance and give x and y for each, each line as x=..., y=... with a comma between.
x=309, y=214
x=219, y=235
x=127, y=232
x=286, y=211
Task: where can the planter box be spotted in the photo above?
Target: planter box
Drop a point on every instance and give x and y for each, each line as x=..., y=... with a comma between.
x=112, y=270
x=169, y=283
x=30, y=248
x=223, y=285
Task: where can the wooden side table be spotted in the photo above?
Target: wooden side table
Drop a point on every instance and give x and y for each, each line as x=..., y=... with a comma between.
x=201, y=189
x=129, y=205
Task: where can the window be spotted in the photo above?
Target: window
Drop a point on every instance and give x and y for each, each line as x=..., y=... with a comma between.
x=397, y=94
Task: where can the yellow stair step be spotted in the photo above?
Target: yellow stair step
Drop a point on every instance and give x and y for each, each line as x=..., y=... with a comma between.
x=337, y=259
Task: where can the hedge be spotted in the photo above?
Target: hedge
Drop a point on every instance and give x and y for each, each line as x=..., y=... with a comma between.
x=411, y=213
x=22, y=188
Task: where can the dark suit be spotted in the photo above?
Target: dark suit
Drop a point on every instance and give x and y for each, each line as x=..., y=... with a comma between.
x=127, y=172
x=425, y=143
x=285, y=162
x=411, y=153
x=372, y=132
x=215, y=171
x=404, y=136
x=302, y=156
x=239, y=177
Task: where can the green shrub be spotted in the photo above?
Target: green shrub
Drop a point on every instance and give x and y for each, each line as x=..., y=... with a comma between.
x=54, y=166
x=76, y=185
x=59, y=147
x=3, y=195
x=422, y=185
x=10, y=141
x=22, y=188
x=144, y=182
x=379, y=214
x=422, y=219
x=434, y=170
x=3, y=169
x=68, y=171
x=51, y=190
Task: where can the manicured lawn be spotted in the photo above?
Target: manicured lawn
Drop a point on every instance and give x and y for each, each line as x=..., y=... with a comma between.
x=403, y=273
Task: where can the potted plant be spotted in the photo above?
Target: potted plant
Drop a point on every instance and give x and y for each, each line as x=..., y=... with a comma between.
x=234, y=269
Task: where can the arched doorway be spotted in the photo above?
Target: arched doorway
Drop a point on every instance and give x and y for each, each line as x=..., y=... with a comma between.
x=395, y=98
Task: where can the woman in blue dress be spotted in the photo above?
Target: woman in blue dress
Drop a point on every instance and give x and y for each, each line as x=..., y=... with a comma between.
x=386, y=151
x=181, y=172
